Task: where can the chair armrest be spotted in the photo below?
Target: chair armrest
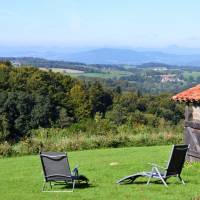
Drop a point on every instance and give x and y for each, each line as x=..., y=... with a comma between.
x=75, y=171
x=155, y=165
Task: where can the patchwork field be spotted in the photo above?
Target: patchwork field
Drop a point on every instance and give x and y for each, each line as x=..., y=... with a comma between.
x=77, y=73
x=193, y=74
x=63, y=70
x=21, y=177
x=106, y=74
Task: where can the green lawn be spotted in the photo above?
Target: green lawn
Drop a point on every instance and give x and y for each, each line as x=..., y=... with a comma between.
x=21, y=177
x=111, y=74
x=194, y=74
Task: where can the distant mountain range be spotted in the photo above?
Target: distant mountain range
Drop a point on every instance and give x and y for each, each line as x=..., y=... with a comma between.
x=47, y=63
x=172, y=55
x=127, y=56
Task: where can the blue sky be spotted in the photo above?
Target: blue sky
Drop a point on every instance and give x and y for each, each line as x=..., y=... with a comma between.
x=133, y=23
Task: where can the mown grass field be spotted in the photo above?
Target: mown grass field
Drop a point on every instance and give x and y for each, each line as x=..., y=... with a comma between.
x=21, y=177
x=194, y=74
x=106, y=74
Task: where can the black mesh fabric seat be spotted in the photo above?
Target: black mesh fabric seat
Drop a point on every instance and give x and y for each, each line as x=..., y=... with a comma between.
x=173, y=168
x=56, y=169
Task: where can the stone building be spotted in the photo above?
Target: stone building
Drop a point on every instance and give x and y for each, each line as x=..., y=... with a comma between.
x=191, y=98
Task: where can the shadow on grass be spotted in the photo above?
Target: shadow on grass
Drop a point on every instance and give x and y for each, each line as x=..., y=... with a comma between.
x=61, y=186
x=78, y=186
x=157, y=182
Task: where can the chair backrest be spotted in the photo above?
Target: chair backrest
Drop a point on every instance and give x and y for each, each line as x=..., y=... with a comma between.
x=55, y=163
x=177, y=159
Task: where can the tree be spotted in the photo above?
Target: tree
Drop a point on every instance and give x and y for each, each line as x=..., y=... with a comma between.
x=128, y=101
x=99, y=99
x=4, y=127
x=4, y=76
x=118, y=115
x=64, y=120
x=42, y=112
x=80, y=100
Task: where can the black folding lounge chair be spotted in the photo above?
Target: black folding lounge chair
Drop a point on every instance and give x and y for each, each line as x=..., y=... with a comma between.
x=56, y=170
x=174, y=168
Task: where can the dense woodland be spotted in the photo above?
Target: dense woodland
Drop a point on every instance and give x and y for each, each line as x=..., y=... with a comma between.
x=31, y=98
x=147, y=77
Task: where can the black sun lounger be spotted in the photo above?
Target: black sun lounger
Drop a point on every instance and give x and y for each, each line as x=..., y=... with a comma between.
x=56, y=169
x=174, y=168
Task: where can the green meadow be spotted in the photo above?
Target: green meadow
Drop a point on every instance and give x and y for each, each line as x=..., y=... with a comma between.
x=188, y=74
x=106, y=74
x=22, y=178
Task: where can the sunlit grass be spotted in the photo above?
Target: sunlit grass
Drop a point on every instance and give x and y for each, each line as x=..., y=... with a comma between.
x=106, y=74
x=21, y=177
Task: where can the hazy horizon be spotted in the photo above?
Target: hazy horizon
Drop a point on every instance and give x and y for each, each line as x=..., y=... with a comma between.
x=72, y=23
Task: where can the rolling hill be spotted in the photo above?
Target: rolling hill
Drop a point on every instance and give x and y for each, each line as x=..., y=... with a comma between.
x=127, y=56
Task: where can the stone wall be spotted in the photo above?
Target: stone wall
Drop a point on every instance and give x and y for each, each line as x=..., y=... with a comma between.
x=196, y=113
x=192, y=132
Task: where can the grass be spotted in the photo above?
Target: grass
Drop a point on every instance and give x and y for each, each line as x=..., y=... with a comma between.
x=78, y=73
x=106, y=74
x=21, y=177
x=187, y=74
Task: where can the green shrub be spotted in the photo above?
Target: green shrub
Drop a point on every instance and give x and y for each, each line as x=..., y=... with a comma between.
x=139, y=137
x=28, y=146
x=137, y=118
x=89, y=134
x=152, y=120
x=6, y=149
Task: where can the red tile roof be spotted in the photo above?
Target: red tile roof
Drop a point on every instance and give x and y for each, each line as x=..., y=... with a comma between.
x=189, y=95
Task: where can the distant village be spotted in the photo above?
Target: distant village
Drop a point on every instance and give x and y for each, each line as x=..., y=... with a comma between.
x=170, y=78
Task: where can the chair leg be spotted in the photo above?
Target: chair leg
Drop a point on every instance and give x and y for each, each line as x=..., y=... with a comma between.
x=50, y=184
x=181, y=179
x=161, y=178
x=73, y=185
x=43, y=187
x=149, y=179
x=163, y=181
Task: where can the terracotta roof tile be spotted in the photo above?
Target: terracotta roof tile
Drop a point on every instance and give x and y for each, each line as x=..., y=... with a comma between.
x=189, y=95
